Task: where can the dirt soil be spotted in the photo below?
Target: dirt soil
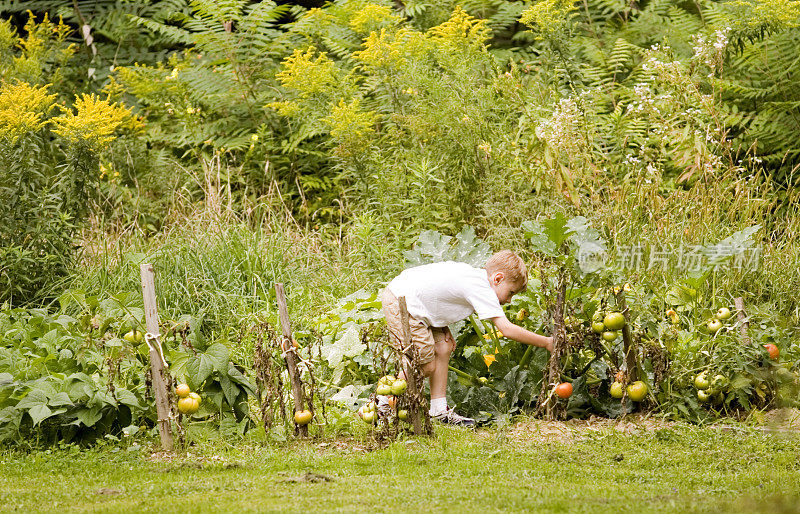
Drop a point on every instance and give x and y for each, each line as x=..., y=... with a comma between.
x=782, y=419
x=576, y=429
x=570, y=431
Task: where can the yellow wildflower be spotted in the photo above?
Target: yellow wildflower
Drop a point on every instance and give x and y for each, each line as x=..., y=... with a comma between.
x=94, y=123
x=287, y=109
x=306, y=74
x=350, y=126
x=461, y=28
x=372, y=17
x=549, y=17
x=389, y=49
x=23, y=108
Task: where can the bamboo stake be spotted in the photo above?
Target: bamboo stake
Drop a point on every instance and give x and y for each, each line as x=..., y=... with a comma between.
x=158, y=369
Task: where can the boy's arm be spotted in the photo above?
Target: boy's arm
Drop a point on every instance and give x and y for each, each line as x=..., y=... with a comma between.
x=522, y=335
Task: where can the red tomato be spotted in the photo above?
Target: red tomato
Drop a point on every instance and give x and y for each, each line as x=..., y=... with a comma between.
x=564, y=390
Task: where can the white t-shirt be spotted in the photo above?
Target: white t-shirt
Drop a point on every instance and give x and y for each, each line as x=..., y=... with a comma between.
x=445, y=292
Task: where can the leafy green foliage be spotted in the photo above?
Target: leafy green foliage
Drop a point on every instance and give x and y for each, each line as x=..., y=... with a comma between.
x=49, y=162
x=210, y=105
x=432, y=246
x=71, y=375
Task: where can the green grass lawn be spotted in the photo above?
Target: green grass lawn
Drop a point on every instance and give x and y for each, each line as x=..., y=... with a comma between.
x=676, y=469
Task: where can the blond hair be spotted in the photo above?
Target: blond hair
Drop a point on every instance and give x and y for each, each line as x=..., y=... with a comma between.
x=512, y=267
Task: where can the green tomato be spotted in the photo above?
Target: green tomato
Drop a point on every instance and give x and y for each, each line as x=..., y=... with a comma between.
x=714, y=325
x=614, y=320
x=386, y=380
x=637, y=391
x=719, y=382
x=134, y=336
x=723, y=313
x=610, y=335
x=703, y=396
x=598, y=327
x=399, y=387
x=384, y=390
x=701, y=382
x=616, y=390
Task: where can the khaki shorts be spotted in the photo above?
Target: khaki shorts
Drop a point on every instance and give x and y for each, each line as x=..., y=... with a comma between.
x=423, y=336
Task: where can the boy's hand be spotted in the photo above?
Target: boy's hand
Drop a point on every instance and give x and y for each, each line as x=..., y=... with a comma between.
x=522, y=335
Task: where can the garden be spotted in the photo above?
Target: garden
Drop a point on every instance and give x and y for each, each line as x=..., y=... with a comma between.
x=202, y=202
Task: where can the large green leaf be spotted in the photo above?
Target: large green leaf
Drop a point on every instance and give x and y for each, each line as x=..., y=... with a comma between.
x=39, y=413
x=214, y=358
x=229, y=389
x=432, y=246
x=88, y=416
x=34, y=398
x=126, y=397
x=60, y=400
x=540, y=241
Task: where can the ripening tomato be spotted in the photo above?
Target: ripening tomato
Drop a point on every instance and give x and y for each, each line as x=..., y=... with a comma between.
x=564, y=390
x=302, y=417
x=637, y=391
x=182, y=390
x=774, y=353
x=188, y=405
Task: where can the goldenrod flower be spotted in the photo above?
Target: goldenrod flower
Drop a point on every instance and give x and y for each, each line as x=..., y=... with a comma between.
x=461, y=28
x=306, y=74
x=95, y=122
x=372, y=17
x=23, y=108
x=350, y=126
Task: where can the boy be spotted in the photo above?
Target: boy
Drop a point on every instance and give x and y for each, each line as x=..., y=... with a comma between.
x=445, y=292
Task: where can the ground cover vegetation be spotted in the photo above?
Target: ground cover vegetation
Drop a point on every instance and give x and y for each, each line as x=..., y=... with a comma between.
x=680, y=467
x=640, y=157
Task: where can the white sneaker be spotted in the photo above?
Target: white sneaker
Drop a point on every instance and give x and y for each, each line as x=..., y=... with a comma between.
x=449, y=417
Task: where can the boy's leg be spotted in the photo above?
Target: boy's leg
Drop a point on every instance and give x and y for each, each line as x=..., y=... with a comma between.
x=439, y=410
x=434, y=352
x=438, y=369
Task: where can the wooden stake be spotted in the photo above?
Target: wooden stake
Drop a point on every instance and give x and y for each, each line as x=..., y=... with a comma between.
x=744, y=325
x=407, y=359
x=158, y=371
x=291, y=358
x=548, y=400
x=629, y=348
